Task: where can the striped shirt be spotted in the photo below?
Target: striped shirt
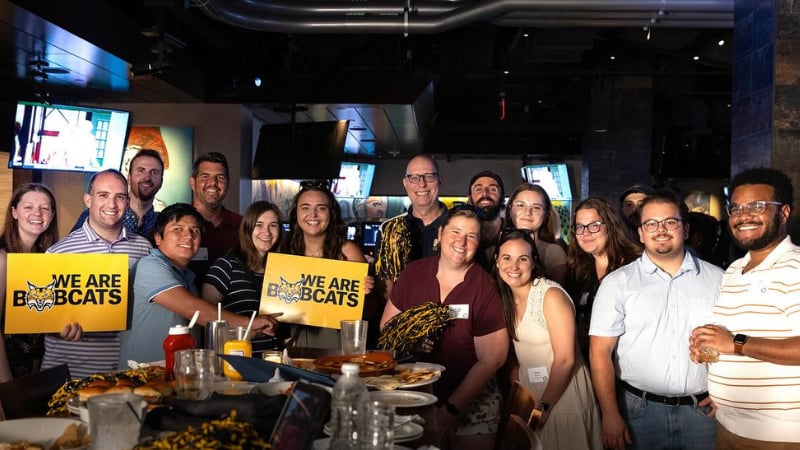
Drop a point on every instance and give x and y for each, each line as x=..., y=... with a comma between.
x=94, y=352
x=757, y=399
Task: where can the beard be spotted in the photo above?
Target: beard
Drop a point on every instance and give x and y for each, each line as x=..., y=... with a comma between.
x=490, y=212
x=771, y=233
x=139, y=193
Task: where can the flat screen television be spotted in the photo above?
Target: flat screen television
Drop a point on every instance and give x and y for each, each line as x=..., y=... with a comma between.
x=70, y=138
x=355, y=180
x=370, y=233
x=300, y=151
x=553, y=178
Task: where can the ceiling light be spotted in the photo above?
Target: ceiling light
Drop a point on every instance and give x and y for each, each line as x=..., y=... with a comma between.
x=257, y=81
x=612, y=57
x=696, y=58
x=505, y=72
x=524, y=34
x=721, y=42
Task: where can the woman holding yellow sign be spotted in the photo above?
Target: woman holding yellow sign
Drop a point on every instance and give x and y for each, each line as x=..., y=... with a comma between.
x=318, y=231
x=31, y=226
x=236, y=279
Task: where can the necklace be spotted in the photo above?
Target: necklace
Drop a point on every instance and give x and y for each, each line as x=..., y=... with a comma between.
x=315, y=254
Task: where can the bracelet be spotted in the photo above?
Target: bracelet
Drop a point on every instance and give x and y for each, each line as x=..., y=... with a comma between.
x=451, y=408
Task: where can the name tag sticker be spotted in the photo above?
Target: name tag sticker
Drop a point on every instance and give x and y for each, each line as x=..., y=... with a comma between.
x=538, y=375
x=202, y=255
x=459, y=311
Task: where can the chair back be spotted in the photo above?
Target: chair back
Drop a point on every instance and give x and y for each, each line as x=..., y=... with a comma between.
x=28, y=396
x=517, y=435
x=521, y=402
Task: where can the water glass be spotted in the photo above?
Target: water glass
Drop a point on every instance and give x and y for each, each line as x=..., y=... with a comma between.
x=194, y=373
x=115, y=420
x=379, y=426
x=353, y=336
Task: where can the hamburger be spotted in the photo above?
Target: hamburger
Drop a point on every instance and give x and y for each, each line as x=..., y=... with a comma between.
x=90, y=391
x=149, y=392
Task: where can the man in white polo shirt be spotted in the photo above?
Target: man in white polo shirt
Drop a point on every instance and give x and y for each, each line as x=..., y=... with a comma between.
x=756, y=324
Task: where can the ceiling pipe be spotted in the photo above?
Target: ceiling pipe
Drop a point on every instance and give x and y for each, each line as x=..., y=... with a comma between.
x=251, y=14
x=599, y=23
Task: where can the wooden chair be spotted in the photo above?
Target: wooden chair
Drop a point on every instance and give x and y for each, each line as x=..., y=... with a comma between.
x=28, y=396
x=520, y=402
x=517, y=435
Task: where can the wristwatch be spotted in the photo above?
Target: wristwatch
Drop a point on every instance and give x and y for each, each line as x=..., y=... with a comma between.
x=738, y=342
x=544, y=406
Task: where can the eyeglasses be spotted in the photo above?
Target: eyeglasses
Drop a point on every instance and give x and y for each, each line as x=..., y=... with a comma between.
x=461, y=206
x=670, y=223
x=428, y=177
x=757, y=207
x=535, y=208
x=592, y=227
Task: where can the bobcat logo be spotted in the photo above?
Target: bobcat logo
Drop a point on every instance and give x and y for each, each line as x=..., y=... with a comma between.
x=40, y=297
x=289, y=292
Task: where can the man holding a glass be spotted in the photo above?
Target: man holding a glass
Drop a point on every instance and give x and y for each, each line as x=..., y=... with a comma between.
x=650, y=393
x=756, y=321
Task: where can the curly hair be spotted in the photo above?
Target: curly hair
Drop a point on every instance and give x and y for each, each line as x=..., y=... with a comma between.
x=780, y=182
x=335, y=235
x=620, y=249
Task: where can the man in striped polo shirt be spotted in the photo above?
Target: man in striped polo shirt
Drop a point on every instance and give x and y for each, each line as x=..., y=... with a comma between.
x=756, y=329
x=107, y=200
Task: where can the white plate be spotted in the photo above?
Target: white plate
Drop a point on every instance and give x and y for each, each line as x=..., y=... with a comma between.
x=234, y=387
x=324, y=444
x=404, y=399
x=43, y=430
x=408, y=432
x=420, y=365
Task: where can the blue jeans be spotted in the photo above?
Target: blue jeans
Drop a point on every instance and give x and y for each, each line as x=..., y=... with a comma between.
x=655, y=425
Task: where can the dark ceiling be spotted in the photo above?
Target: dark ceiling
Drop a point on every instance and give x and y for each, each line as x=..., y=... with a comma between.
x=442, y=88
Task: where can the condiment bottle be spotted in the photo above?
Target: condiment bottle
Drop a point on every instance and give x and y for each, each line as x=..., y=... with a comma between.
x=178, y=338
x=237, y=345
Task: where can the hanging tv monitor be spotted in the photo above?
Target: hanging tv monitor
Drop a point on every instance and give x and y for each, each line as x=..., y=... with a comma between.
x=69, y=138
x=355, y=180
x=300, y=151
x=553, y=178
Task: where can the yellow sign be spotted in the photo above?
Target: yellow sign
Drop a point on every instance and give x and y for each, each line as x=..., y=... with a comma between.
x=313, y=291
x=44, y=292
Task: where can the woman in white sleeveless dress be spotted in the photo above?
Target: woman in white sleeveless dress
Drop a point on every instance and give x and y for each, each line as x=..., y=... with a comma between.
x=540, y=318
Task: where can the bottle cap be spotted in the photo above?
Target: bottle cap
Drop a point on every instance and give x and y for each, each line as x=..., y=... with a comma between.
x=350, y=368
x=179, y=329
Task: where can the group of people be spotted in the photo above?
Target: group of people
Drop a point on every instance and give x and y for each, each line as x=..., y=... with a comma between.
x=641, y=307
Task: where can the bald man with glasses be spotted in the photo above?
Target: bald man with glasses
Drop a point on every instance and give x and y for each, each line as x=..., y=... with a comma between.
x=413, y=234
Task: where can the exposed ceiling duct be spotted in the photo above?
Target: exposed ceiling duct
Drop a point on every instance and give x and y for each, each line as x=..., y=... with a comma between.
x=432, y=16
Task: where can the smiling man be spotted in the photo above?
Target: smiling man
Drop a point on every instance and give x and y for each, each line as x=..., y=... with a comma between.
x=209, y=184
x=487, y=192
x=102, y=232
x=756, y=320
x=650, y=393
x=145, y=177
x=413, y=234
x=164, y=291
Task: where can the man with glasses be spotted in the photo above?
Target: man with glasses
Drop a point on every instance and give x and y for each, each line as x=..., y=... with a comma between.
x=413, y=234
x=756, y=321
x=650, y=393
x=486, y=191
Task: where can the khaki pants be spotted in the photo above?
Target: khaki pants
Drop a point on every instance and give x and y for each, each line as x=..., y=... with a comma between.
x=729, y=441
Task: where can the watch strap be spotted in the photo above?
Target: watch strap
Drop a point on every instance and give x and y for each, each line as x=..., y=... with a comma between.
x=738, y=343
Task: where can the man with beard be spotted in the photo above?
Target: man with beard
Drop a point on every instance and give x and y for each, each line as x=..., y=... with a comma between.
x=756, y=321
x=650, y=393
x=145, y=177
x=209, y=184
x=413, y=234
x=486, y=191
x=629, y=202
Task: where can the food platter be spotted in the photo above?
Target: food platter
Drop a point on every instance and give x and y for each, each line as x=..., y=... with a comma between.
x=404, y=433
x=407, y=376
x=41, y=430
x=370, y=364
x=404, y=399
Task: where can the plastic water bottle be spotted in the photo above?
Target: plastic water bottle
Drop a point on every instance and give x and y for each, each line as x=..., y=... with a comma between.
x=348, y=409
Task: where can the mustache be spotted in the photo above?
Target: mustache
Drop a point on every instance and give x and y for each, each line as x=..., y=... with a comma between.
x=748, y=222
x=485, y=198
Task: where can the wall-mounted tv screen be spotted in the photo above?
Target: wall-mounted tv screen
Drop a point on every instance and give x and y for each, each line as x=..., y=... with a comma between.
x=370, y=234
x=355, y=180
x=73, y=138
x=300, y=151
x=553, y=178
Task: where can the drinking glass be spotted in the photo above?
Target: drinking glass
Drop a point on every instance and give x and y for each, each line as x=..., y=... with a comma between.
x=194, y=373
x=353, y=337
x=115, y=420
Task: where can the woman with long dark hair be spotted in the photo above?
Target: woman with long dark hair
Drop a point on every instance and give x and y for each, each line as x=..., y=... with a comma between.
x=31, y=226
x=236, y=279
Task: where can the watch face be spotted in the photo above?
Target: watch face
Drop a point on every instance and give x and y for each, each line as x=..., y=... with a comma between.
x=740, y=339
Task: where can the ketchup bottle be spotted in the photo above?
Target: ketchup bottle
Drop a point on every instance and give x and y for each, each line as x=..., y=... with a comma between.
x=177, y=339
